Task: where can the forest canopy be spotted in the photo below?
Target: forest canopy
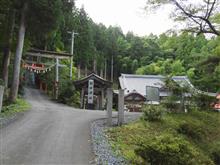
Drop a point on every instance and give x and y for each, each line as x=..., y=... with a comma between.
x=107, y=50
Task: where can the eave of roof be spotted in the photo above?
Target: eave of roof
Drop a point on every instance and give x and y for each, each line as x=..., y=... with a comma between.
x=95, y=77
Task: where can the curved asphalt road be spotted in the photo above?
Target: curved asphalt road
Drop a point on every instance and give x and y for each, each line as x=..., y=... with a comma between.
x=49, y=134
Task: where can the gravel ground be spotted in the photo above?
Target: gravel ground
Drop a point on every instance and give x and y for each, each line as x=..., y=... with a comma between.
x=101, y=147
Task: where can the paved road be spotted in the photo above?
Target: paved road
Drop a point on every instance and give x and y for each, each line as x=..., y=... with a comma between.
x=49, y=134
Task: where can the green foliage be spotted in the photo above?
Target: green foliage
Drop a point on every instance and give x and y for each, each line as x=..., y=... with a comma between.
x=177, y=68
x=19, y=106
x=192, y=130
x=215, y=152
x=172, y=104
x=68, y=95
x=168, y=149
x=152, y=112
x=191, y=73
x=202, y=101
x=164, y=67
x=139, y=141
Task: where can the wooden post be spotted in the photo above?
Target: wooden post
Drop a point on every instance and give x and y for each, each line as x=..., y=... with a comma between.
x=121, y=107
x=45, y=87
x=109, y=106
x=57, y=78
x=41, y=86
x=82, y=99
x=102, y=99
x=98, y=103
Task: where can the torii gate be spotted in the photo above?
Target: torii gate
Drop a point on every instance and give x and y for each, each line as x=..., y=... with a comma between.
x=37, y=66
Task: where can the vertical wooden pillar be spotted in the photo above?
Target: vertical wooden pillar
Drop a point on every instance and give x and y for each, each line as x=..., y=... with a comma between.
x=57, y=79
x=109, y=106
x=45, y=87
x=41, y=85
x=121, y=107
x=102, y=99
x=98, y=103
x=82, y=98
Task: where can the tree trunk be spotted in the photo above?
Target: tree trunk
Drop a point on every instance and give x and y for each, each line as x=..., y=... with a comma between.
x=79, y=70
x=18, y=55
x=101, y=72
x=7, y=49
x=86, y=71
x=105, y=76
x=95, y=66
x=112, y=69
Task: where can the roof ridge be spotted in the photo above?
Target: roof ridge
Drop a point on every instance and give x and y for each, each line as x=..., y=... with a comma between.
x=149, y=76
x=134, y=75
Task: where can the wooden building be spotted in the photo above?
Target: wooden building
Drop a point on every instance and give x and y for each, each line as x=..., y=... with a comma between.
x=92, y=97
x=134, y=101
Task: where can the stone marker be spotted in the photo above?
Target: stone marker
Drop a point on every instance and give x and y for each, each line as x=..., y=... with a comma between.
x=1, y=96
x=121, y=107
x=109, y=106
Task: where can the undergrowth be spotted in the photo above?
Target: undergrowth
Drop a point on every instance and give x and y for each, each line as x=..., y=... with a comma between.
x=197, y=130
x=19, y=106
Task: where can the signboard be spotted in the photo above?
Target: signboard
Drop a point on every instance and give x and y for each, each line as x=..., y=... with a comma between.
x=90, y=91
x=152, y=93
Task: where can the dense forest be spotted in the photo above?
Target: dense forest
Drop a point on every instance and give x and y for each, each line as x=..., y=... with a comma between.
x=107, y=51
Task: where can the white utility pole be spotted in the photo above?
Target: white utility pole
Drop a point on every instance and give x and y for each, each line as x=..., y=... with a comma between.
x=72, y=49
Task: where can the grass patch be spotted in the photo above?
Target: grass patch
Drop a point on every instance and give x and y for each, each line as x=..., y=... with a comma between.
x=200, y=129
x=19, y=106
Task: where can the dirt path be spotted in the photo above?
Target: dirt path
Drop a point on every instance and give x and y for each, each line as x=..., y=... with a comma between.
x=49, y=134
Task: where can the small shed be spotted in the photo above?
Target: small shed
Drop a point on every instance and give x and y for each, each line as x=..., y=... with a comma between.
x=93, y=91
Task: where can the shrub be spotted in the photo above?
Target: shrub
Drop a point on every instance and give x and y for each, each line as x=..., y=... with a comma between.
x=167, y=149
x=171, y=103
x=203, y=101
x=68, y=95
x=152, y=112
x=215, y=153
x=191, y=130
